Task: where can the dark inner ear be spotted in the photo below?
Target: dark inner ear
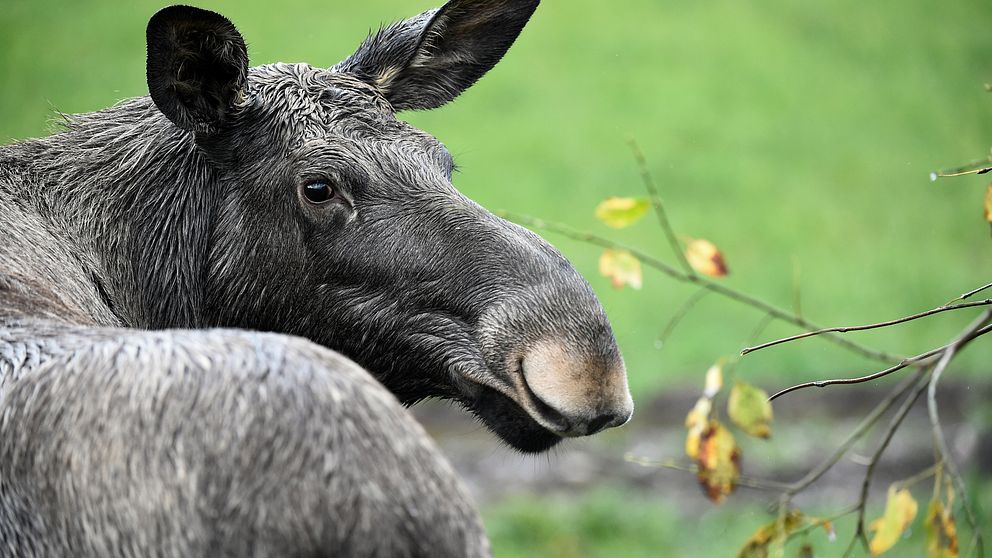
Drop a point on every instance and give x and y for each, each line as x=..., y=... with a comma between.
x=429, y=60
x=197, y=66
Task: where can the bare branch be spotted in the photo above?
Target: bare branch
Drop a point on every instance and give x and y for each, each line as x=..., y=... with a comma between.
x=918, y=359
x=894, y=424
x=722, y=290
x=659, y=208
x=970, y=294
x=845, y=329
x=940, y=443
x=924, y=383
x=859, y=432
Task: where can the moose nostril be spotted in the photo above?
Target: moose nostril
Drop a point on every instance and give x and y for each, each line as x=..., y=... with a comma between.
x=599, y=423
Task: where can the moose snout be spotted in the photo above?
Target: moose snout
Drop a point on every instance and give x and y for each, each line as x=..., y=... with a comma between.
x=548, y=348
x=572, y=392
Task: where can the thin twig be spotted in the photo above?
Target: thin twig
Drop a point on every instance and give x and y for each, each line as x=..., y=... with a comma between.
x=675, y=465
x=760, y=328
x=681, y=313
x=859, y=432
x=923, y=475
x=659, y=208
x=820, y=523
x=845, y=329
x=970, y=294
x=918, y=359
x=853, y=543
x=982, y=170
x=940, y=443
x=722, y=290
x=733, y=363
x=963, y=169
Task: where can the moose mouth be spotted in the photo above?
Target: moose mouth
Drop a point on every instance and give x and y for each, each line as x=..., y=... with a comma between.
x=520, y=418
x=494, y=389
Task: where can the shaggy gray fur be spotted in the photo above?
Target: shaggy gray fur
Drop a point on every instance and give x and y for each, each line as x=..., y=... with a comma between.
x=217, y=443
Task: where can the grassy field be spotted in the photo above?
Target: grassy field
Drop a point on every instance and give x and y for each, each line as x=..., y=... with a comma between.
x=617, y=524
x=798, y=136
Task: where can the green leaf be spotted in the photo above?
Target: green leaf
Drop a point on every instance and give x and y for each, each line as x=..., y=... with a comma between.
x=750, y=410
x=622, y=212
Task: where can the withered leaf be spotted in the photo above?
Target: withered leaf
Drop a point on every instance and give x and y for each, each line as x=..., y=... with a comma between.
x=622, y=268
x=718, y=462
x=942, y=532
x=776, y=532
x=705, y=257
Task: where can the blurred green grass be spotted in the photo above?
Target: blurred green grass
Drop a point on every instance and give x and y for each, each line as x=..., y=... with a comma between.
x=613, y=523
x=795, y=135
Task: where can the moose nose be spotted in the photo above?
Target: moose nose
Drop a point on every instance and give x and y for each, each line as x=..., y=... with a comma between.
x=572, y=392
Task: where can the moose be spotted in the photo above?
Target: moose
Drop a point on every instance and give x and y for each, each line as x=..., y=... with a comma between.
x=217, y=301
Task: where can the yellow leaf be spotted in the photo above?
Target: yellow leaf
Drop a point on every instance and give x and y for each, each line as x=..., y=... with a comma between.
x=900, y=509
x=714, y=380
x=621, y=267
x=775, y=532
x=718, y=462
x=622, y=212
x=942, y=533
x=705, y=258
x=750, y=410
x=695, y=423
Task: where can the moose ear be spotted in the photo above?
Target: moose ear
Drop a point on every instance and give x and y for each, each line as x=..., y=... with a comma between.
x=426, y=61
x=197, y=66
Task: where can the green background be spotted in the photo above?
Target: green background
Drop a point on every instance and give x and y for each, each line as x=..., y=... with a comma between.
x=796, y=135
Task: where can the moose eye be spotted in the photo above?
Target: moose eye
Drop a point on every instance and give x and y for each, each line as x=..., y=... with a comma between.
x=318, y=192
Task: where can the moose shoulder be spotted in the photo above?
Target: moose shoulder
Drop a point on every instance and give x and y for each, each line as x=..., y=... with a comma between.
x=286, y=199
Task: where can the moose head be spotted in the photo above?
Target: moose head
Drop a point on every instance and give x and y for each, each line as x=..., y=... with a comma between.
x=289, y=198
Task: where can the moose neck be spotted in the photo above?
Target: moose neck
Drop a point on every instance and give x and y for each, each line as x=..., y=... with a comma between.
x=130, y=194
